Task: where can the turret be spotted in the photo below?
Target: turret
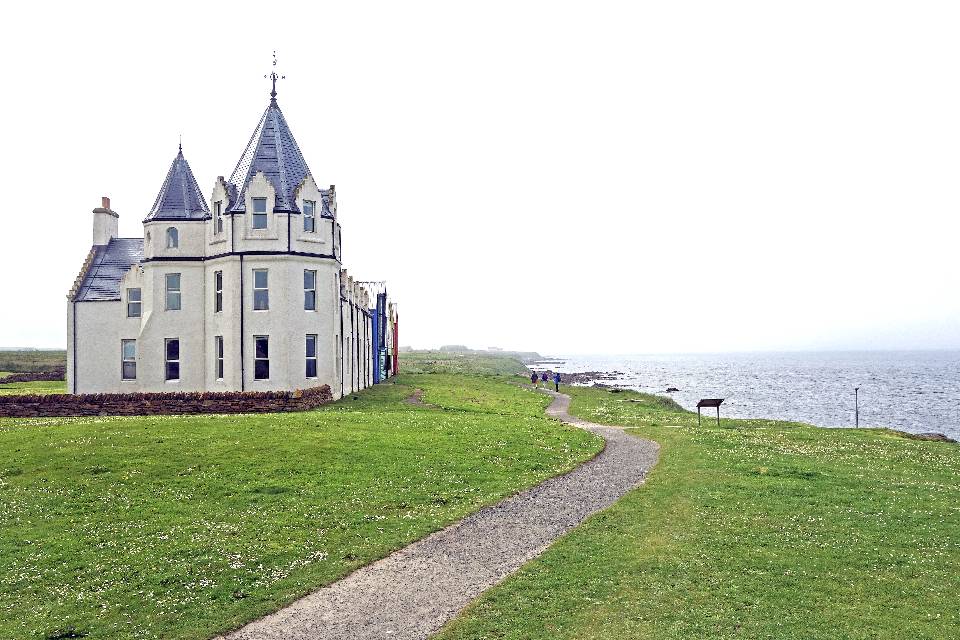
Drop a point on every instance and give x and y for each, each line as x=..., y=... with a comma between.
x=174, y=225
x=105, y=223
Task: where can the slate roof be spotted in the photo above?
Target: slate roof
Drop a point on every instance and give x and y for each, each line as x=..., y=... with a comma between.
x=272, y=150
x=112, y=261
x=180, y=197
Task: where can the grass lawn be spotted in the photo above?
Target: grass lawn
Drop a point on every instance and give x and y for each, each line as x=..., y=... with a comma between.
x=181, y=527
x=757, y=529
x=32, y=360
x=39, y=387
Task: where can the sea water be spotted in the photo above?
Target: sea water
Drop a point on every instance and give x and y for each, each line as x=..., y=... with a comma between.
x=916, y=391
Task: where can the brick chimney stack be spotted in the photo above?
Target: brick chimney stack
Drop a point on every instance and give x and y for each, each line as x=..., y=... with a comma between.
x=105, y=223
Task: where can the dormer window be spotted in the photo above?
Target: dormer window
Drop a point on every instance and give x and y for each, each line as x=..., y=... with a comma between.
x=259, y=213
x=309, y=216
x=173, y=238
x=218, y=216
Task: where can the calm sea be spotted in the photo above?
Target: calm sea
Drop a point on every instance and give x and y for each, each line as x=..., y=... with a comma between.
x=910, y=390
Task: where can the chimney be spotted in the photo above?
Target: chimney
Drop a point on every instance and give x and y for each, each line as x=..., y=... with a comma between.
x=105, y=223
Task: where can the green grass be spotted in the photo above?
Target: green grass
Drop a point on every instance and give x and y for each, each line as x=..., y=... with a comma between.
x=180, y=527
x=487, y=363
x=24, y=361
x=39, y=387
x=756, y=529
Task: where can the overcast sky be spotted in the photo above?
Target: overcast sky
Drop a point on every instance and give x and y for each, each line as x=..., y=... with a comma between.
x=567, y=177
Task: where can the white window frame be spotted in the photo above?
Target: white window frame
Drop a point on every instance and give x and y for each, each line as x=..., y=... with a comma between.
x=172, y=291
x=310, y=294
x=217, y=291
x=167, y=360
x=257, y=358
x=218, y=356
x=173, y=238
x=259, y=215
x=125, y=360
x=310, y=215
x=265, y=289
x=308, y=358
x=218, y=217
x=131, y=302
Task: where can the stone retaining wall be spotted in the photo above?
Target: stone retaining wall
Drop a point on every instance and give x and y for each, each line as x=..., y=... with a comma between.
x=138, y=404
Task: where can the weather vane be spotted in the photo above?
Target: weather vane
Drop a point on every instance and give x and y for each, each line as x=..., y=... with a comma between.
x=274, y=77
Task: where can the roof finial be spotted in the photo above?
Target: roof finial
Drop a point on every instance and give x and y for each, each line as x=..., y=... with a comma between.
x=274, y=77
x=181, y=143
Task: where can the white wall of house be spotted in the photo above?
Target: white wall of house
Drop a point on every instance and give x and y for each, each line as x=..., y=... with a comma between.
x=284, y=249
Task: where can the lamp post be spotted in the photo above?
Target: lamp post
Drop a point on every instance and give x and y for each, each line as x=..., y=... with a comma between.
x=856, y=405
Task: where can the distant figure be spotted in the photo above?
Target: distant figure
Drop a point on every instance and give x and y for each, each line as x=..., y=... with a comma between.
x=533, y=379
x=544, y=378
x=556, y=381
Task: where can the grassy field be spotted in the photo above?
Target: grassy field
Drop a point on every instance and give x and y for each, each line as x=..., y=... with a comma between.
x=757, y=529
x=456, y=363
x=43, y=386
x=22, y=361
x=31, y=361
x=180, y=527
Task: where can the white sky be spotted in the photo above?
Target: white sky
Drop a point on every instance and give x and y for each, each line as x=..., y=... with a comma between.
x=589, y=177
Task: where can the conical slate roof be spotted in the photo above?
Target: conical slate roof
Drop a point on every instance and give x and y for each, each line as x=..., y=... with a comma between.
x=272, y=150
x=180, y=197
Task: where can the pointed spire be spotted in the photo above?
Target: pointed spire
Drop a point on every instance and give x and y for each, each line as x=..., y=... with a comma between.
x=180, y=197
x=273, y=150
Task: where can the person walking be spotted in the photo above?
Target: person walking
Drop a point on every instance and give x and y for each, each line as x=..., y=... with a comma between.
x=533, y=379
x=556, y=381
x=544, y=378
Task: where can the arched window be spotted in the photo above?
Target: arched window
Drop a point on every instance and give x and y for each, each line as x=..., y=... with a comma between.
x=173, y=238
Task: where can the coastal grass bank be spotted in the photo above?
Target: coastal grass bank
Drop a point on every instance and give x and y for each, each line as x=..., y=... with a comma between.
x=755, y=529
x=185, y=526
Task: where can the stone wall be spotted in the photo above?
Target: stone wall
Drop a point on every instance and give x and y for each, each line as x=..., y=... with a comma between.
x=137, y=404
x=35, y=376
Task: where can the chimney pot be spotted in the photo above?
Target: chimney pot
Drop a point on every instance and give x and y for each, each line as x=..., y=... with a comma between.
x=105, y=202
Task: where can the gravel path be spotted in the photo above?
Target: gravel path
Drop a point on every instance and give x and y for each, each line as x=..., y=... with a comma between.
x=412, y=593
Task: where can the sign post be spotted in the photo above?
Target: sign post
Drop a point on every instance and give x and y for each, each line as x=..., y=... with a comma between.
x=709, y=402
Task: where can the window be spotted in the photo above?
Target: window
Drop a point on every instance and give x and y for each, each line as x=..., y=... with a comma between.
x=133, y=303
x=311, y=355
x=218, y=216
x=173, y=238
x=218, y=353
x=309, y=290
x=309, y=216
x=259, y=213
x=217, y=291
x=172, y=352
x=261, y=293
x=173, y=292
x=128, y=359
x=261, y=357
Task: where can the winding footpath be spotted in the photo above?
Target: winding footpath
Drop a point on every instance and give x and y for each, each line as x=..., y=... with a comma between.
x=413, y=592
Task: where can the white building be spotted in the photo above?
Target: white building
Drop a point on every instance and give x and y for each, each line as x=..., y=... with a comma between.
x=250, y=296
